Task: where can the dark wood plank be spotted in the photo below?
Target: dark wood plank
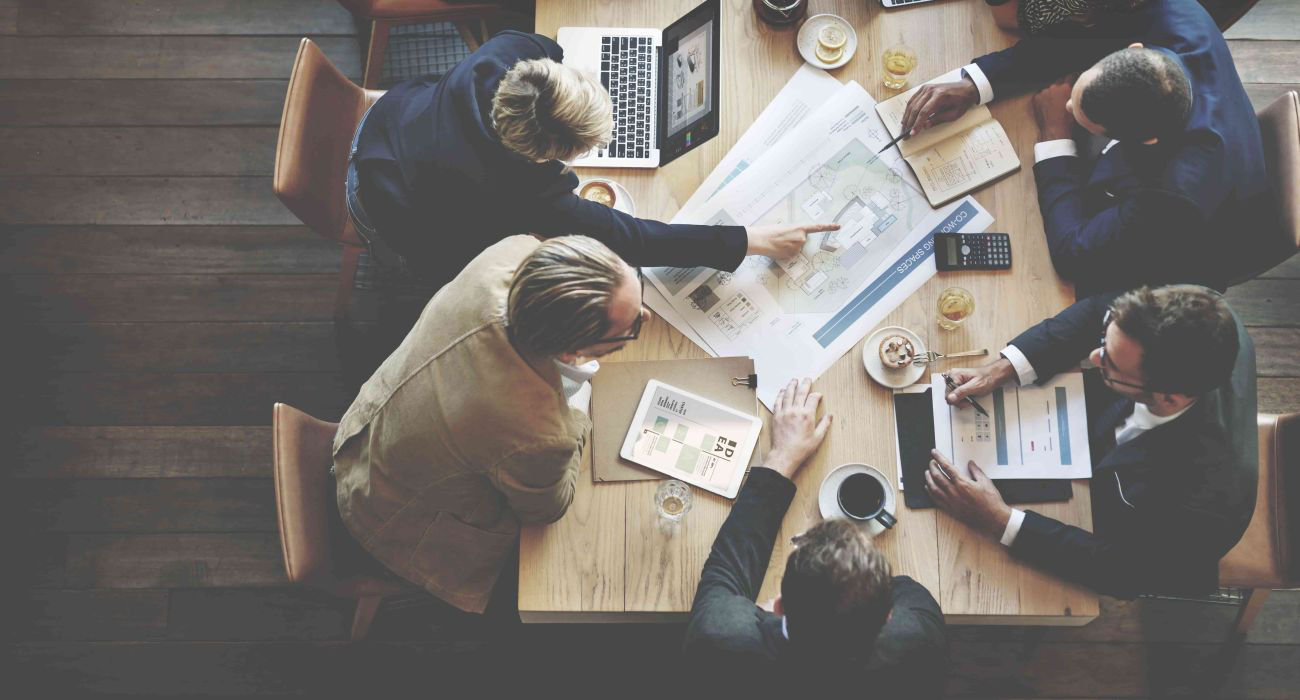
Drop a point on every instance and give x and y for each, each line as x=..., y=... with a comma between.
x=1263, y=94
x=141, y=200
x=174, y=560
x=258, y=614
x=166, y=249
x=71, y=150
x=142, y=452
x=1277, y=351
x=148, y=17
x=144, y=505
x=8, y=17
x=198, y=57
x=1268, y=19
x=1279, y=395
x=141, y=102
x=185, y=347
x=1267, y=302
x=1115, y=670
x=89, y=615
x=94, y=399
x=169, y=298
x=1156, y=621
x=40, y=560
x=1265, y=61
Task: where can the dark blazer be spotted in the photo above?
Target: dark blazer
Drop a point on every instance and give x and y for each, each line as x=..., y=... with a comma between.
x=440, y=188
x=1166, y=505
x=728, y=632
x=1190, y=208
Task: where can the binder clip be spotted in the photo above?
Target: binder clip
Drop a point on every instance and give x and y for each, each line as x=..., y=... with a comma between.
x=750, y=381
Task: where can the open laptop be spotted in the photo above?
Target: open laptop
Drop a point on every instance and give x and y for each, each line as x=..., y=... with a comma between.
x=663, y=84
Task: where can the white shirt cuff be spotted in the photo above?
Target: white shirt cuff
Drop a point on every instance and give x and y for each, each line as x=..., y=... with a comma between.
x=977, y=76
x=581, y=399
x=1054, y=149
x=1025, y=373
x=1013, y=527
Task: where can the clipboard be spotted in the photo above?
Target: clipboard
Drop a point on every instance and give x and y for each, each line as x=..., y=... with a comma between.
x=616, y=391
x=914, y=426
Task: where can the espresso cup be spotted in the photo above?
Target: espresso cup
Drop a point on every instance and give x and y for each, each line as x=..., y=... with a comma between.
x=862, y=497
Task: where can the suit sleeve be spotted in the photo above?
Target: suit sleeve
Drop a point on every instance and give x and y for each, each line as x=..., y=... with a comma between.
x=538, y=482
x=1165, y=553
x=1059, y=343
x=913, y=645
x=644, y=242
x=1114, y=239
x=1037, y=60
x=723, y=614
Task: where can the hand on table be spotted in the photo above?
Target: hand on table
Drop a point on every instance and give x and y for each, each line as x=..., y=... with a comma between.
x=978, y=381
x=938, y=103
x=796, y=432
x=1054, y=119
x=969, y=497
x=779, y=241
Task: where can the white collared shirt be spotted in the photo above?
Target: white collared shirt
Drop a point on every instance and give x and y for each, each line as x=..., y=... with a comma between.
x=575, y=380
x=1139, y=422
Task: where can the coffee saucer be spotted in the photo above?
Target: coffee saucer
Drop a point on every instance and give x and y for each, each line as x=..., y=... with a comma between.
x=828, y=501
x=622, y=199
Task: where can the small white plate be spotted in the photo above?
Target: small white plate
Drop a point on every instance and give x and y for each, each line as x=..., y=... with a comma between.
x=807, y=40
x=828, y=501
x=888, y=376
x=622, y=199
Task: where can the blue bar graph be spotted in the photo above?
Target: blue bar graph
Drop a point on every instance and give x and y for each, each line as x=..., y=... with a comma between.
x=1063, y=424
x=1000, y=424
x=873, y=293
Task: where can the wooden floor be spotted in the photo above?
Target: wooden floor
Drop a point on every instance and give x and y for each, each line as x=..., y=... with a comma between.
x=161, y=300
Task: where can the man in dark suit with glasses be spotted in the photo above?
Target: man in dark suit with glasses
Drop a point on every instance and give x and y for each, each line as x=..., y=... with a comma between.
x=1172, y=431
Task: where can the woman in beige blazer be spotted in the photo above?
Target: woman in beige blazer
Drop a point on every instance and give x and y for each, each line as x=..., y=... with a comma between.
x=467, y=430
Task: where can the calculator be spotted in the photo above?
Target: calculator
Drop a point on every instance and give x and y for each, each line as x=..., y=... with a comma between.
x=972, y=251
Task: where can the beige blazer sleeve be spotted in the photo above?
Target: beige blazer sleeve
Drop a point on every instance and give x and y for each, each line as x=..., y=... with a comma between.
x=538, y=481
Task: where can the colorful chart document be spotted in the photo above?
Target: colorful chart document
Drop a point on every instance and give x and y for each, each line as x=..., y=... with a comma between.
x=1031, y=432
x=691, y=438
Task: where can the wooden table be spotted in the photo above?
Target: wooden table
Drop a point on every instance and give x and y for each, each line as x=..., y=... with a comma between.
x=608, y=560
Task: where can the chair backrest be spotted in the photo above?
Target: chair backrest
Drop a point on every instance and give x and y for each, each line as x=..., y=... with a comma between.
x=321, y=112
x=428, y=10
x=303, y=448
x=1279, y=125
x=1268, y=555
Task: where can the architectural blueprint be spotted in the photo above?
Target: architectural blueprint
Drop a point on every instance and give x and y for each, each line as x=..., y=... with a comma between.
x=795, y=317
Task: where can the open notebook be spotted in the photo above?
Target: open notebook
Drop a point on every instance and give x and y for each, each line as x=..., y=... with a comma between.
x=954, y=158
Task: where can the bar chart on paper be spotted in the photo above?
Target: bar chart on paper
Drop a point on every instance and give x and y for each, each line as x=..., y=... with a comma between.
x=1030, y=432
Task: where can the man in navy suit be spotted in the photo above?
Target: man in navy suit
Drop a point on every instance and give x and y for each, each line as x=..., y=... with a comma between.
x=1172, y=434
x=1180, y=193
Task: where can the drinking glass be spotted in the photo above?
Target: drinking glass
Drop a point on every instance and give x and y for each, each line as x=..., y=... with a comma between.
x=781, y=12
x=955, y=306
x=898, y=61
x=673, y=499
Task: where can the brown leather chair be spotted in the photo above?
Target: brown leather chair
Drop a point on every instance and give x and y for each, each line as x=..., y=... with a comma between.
x=1268, y=555
x=471, y=20
x=1279, y=125
x=321, y=112
x=304, y=490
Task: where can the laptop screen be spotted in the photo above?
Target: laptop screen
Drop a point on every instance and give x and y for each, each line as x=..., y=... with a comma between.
x=690, y=70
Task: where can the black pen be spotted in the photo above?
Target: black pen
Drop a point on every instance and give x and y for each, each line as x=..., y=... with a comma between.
x=948, y=380
x=894, y=142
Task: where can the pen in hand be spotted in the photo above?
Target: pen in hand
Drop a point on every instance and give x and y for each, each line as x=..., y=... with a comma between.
x=952, y=386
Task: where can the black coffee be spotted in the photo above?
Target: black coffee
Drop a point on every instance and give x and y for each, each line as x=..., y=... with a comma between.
x=861, y=496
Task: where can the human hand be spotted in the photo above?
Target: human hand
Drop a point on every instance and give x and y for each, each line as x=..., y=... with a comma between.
x=969, y=497
x=781, y=241
x=978, y=381
x=796, y=432
x=1054, y=120
x=938, y=103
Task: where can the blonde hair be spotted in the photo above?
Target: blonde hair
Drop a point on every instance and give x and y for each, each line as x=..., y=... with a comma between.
x=544, y=110
x=560, y=295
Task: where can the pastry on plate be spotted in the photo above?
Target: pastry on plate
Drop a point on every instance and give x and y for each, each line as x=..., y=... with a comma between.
x=896, y=352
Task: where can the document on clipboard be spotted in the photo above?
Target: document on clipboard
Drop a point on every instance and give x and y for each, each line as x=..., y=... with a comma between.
x=691, y=438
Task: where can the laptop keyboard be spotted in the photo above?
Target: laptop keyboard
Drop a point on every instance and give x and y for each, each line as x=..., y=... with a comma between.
x=625, y=68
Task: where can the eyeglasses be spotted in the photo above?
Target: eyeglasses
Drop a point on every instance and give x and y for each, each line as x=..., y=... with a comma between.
x=640, y=317
x=1105, y=362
